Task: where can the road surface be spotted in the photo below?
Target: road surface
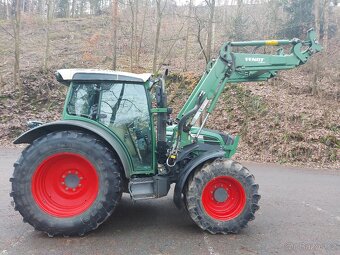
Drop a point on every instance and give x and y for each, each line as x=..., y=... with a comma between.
x=299, y=214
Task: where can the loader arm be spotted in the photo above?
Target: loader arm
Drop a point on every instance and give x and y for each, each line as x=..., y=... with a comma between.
x=232, y=67
x=235, y=67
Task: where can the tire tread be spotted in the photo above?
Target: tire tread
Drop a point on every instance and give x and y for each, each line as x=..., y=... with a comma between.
x=102, y=208
x=204, y=174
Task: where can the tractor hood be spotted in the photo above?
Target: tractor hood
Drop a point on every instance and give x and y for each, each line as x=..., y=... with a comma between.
x=65, y=76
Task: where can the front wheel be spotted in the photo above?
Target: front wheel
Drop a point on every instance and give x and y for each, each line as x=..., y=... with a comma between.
x=66, y=183
x=221, y=197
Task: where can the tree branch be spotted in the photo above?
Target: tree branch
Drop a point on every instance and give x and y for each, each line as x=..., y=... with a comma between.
x=7, y=31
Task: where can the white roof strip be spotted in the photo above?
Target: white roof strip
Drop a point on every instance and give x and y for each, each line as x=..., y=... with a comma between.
x=68, y=74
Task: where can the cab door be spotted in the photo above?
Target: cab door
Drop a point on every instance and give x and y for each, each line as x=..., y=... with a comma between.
x=124, y=108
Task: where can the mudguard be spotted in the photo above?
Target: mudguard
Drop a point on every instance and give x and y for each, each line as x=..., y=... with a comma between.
x=188, y=169
x=34, y=133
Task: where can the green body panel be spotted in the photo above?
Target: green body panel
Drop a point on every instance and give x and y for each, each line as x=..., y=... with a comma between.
x=159, y=110
x=206, y=136
x=62, y=125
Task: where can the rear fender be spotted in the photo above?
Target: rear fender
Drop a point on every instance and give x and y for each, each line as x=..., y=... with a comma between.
x=189, y=168
x=34, y=133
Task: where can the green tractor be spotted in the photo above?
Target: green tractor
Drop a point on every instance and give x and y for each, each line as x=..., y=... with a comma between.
x=72, y=175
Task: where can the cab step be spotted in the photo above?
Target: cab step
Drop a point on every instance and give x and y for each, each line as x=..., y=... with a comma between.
x=149, y=187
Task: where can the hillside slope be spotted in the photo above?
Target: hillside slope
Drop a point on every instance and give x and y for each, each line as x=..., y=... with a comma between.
x=293, y=119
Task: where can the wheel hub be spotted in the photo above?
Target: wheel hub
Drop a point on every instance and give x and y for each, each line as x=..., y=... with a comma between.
x=65, y=184
x=220, y=195
x=71, y=180
x=223, y=198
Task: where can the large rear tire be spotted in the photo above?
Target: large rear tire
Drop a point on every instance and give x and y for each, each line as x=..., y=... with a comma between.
x=66, y=183
x=221, y=196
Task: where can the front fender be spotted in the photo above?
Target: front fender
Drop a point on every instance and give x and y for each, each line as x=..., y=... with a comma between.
x=189, y=168
x=34, y=133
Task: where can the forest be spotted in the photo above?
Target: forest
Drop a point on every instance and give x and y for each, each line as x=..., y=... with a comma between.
x=292, y=119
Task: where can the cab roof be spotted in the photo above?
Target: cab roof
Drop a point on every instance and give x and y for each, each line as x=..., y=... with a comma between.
x=67, y=75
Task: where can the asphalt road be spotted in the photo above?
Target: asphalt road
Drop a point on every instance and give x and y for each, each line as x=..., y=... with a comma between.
x=299, y=214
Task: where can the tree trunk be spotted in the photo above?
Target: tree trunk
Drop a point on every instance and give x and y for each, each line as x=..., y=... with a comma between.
x=29, y=6
x=158, y=30
x=135, y=44
x=40, y=7
x=82, y=6
x=49, y=20
x=132, y=37
x=68, y=10
x=17, y=22
x=73, y=8
x=23, y=2
x=225, y=14
x=326, y=25
x=7, y=10
x=211, y=5
x=317, y=18
x=142, y=33
x=187, y=37
x=238, y=32
x=213, y=37
x=114, y=33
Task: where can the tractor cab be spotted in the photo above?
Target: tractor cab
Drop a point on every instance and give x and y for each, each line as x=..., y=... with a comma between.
x=117, y=101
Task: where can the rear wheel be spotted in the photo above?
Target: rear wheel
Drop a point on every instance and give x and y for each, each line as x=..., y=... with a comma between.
x=66, y=183
x=221, y=197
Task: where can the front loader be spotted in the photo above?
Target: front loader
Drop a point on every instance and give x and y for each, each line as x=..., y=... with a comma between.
x=72, y=175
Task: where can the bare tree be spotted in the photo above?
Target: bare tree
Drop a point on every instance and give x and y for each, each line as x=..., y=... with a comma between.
x=316, y=65
x=200, y=27
x=82, y=7
x=238, y=22
x=114, y=33
x=175, y=40
x=225, y=13
x=187, y=37
x=158, y=30
x=133, y=24
x=40, y=7
x=135, y=43
x=73, y=8
x=326, y=24
x=142, y=32
x=7, y=9
x=211, y=5
x=317, y=17
x=48, y=25
x=16, y=27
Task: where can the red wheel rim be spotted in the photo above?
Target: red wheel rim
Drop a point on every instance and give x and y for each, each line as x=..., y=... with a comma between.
x=223, y=198
x=65, y=184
